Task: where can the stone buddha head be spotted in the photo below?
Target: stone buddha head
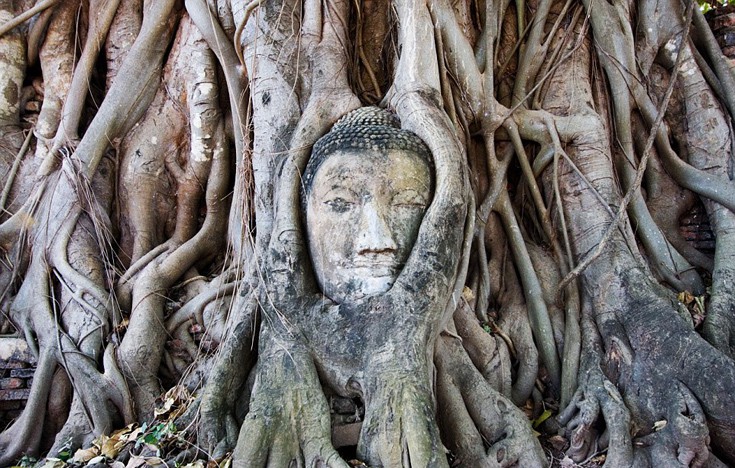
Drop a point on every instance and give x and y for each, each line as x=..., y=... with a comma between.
x=365, y=190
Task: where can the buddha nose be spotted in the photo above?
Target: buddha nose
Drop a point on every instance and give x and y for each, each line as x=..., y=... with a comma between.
x=375, y=235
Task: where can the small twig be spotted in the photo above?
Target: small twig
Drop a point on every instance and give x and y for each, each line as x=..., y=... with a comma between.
x=26, y=15
x=644, y=160
x=241, y=27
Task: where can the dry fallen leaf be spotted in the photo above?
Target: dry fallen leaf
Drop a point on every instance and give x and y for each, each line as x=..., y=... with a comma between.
x=112, y=445
x=194, y=464
x=54, y=463
x=165, y=408
x=84, y=455
x=135, y=462
x=558, y=442
x=133, y=436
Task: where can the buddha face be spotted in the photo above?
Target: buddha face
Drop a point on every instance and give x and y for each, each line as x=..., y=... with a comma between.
x=362, y=217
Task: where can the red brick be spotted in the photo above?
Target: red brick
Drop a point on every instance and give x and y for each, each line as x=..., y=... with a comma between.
x=12, y=383
x=723, y=21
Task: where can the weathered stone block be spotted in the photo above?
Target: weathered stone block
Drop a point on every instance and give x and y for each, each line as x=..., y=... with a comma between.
x=11, y=395
x=22, y=373
x=14, y=354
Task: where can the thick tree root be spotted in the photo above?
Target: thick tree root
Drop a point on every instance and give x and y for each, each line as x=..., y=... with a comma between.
x=596, y=397
x=217, y=430
x=399, y=428
x=648, y=348
x=288, y=420
x=473, y=415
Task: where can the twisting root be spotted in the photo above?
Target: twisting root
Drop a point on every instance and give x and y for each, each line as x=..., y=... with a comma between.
x=26, y=15
x=635, y=186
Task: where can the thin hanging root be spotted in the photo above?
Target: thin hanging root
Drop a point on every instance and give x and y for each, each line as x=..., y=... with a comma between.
x=78, y=296
x=572, y=343
x=552, y=151
x=37, y=35
x=26, y=15
x=633, y=189
x=252, y=5
x=553, y=60
x=59, y=260
x=498, y=168
x=562, y=219
x=14, y=170
x=143, y=261
x=538, y=314
x=483, y=289
x=537, y=198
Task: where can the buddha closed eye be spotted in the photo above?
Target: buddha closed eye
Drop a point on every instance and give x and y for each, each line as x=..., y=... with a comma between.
x=363, y=209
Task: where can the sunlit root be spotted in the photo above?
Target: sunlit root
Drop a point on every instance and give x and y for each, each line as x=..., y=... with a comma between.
x=289, y=416
x=482, y=427
x=101, y=14
x=399, y=428
x=123, y=31
x=217, y=428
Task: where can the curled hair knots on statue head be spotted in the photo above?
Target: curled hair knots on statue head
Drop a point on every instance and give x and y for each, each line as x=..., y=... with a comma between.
x=366, y=128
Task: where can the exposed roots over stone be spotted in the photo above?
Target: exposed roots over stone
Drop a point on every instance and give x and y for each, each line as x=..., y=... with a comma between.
x=481, y=426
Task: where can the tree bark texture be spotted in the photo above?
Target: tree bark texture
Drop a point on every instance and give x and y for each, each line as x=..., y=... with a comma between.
x=152, y=236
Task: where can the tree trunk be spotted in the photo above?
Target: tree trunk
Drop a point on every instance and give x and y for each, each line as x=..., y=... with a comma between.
x=159, y=162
